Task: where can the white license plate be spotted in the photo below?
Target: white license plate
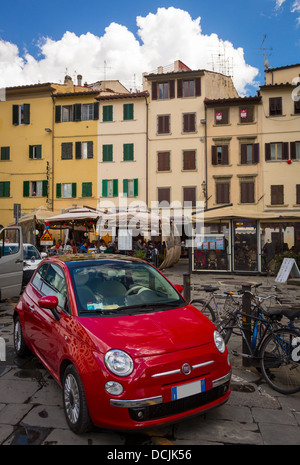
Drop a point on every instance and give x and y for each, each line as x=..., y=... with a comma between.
x=186, y=390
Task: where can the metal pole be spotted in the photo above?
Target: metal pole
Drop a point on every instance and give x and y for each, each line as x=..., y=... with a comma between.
x=246, y=306
x=187, y=286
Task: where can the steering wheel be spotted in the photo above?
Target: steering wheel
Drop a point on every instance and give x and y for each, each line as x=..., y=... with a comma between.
x=137, y=288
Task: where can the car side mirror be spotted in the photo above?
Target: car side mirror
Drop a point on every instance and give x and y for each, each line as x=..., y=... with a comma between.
x=50, y=302
x=44, y=254
x=178, y=288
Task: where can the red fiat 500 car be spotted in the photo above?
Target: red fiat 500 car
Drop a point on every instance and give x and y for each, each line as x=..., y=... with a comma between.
x=127, y=349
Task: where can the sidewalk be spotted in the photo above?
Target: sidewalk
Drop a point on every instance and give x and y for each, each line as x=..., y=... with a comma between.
x=31, y=402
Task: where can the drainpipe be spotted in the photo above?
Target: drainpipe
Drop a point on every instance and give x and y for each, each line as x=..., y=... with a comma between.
x=205, y=156
x=147, y=155
x=52, y=155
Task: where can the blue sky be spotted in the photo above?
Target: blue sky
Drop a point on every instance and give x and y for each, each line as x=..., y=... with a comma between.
x=34, y=45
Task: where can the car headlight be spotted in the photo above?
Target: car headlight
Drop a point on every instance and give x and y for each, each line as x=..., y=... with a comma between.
x=219, y=341
x=118, y=362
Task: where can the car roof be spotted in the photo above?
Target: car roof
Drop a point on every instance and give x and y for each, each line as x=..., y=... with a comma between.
x=72, y=258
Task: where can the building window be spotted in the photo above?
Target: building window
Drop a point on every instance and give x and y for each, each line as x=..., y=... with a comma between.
x=277, y=151
x=249, y=153
x=84, y=150
x=188, y=88
x=189, y=196
x=222, y=191
x=163, y=161
x=277, y=195
x=107, y=152
x=87, y=189
x=295, y=150
x=247, y=191
x=35, y=188
x=4, y=189
x=131, y=187
x=189, y=122
x=5, y=153
x=163, y=90
x=222, y=116
x=67, y=150
x=128, y=152
x=163, y=124
x=220, y=155
x=189, y=160
x=66, y=190
x=275, y=106
x=128, y=111
x=110, y=188
x=35, y=152
x=246, y=114
x=21, y=114
x=107, y=113
x=164, y=195
x=66, y=113
x=87, y=111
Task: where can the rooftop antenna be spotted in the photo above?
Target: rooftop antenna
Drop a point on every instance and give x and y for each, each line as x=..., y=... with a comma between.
x=264, y=50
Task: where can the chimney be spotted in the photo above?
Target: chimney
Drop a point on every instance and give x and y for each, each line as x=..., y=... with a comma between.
x=79, y=80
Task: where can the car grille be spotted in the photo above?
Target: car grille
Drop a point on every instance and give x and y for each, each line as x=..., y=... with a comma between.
x=168, y=409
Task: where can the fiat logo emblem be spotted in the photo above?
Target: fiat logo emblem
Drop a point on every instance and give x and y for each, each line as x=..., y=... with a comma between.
x=186, y=369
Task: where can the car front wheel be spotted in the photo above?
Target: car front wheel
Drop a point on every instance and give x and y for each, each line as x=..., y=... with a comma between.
x=75, y=405
x=19, y=342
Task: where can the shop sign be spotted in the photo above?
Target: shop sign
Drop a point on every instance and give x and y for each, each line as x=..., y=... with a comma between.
x=244, y=113
x=288, y=268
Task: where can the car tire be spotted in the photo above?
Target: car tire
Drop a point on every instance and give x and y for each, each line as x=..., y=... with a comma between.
x=74, y=401
x=19, y=341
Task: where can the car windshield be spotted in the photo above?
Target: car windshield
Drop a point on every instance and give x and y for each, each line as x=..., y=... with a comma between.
x=116, y=287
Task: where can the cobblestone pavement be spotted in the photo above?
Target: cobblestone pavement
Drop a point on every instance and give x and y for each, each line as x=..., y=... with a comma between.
x=31, y=402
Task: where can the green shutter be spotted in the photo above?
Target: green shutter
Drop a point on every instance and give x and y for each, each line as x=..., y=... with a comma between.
x=74, y=189
x=136, y=187
x=25, y=188
x=30, y=151
x=90, y=149
x=26, y=110
x=104, y=187
x=86, y=189
x=107, y=153
x=44, y=188
x=77, y=111
x=5, y=189
x=38, y=151
x=77, y=150
x=107, y=113
x=96, y=110
x=125, y=187
x=5, y=153
x=58, y=113
x=128, y=152
x=128, y=111
x=58, y=190
x=115, y=188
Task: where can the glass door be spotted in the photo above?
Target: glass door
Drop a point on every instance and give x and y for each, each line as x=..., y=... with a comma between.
x=245, y=245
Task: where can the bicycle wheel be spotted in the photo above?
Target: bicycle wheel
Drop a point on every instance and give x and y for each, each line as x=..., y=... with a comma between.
x=205, y=308
x=225, y=328
x=279, y=361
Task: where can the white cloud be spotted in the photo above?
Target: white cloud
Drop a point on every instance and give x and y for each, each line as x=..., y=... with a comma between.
x=295, y=7
x=127, y=57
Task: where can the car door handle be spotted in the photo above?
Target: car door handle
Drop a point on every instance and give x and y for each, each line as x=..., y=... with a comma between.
x=31, y=307
x=19, y=261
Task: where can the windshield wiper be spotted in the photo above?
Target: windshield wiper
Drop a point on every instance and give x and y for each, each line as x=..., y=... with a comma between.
x=148, y=306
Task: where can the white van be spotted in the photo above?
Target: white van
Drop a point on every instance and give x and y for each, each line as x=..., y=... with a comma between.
x=11, y=262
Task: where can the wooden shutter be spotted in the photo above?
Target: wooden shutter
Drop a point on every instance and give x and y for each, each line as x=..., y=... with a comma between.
x=90, y=149
x=189, y=122
x=179, y=88
x=26, y=119
x=58, y=114
x=135, y=187
x=225, y=155
x=293, y=150
x=247, y=192
x=256, y=153
x=125, y=187
x=163, y=194
x=198, y=86
x=107, y=152
x=222, y=192
x=86, y=189
x=15, y=114
x=77, y=112
x=268, y=151
x=128, y=152
x=44, y=188
x=77, y=150
x=5, y=153
x=172, y=88
x=298, y=194
x=214, y=160
x=154, y=90
x=243, y=154
x=107, y=113
x=277, y=195
x=58, y=190
x=67, y=150
x=26, y=185
x=189, y=160
x=96, y=111
x=163, y=161
x=115, y=188
x=74, y=189
x=104, y=187
x=189, y=195
x=285, y=150
x=5, y=189
x=128, y=111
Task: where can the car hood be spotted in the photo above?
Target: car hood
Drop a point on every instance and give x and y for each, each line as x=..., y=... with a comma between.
x=150, y=333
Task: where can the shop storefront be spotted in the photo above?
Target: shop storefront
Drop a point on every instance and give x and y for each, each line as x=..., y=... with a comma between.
x=245, y=245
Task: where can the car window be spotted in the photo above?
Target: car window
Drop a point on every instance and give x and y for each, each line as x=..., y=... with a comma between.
x=37, y=280
x=31, y=252
x=54, y=283
x=114, y=286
